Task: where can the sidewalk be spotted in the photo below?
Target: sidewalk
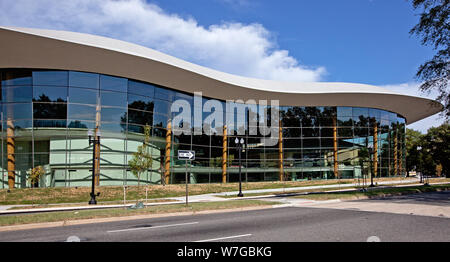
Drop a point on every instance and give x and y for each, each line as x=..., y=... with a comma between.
x=201, y=198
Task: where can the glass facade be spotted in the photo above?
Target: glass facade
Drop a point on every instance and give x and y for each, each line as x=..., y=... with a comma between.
x=45, y=116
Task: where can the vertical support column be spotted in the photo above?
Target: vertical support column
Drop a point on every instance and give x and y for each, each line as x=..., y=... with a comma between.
x=10, y=151
x=400, y=158
x=280, y=152
x=97, y=145
x=168, y=147
x=97, y=158
x=375, y=150
x=335, y=150
x=224, y=154
x=395, y=152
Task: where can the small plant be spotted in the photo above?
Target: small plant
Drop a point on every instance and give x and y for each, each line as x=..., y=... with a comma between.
x=35, y=175
x=142, y=159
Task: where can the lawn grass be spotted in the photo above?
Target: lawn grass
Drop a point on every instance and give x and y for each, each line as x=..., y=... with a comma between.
x=59, y=195
x=121, y=212
x=375, y=193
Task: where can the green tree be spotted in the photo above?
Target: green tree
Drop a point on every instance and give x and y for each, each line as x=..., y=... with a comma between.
x=35, y=175
x=434, y=29
x=437, y=142
x=414, y=141
x=142, y=158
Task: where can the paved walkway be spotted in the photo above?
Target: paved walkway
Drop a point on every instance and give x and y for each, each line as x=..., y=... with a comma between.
x=428, y=204
x=204, y=197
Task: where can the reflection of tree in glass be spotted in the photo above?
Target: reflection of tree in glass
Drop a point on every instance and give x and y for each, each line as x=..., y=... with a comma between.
x=142, y=116
x=76, y=124
x=44, y=108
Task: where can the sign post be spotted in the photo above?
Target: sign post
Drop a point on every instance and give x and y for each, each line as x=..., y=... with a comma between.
x=187, y=155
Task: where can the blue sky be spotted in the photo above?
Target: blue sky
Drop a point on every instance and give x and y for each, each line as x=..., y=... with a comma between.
x=356, y=40
x=362, y=41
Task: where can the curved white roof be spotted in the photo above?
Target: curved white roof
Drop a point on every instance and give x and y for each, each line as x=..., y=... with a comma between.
x=52, y=49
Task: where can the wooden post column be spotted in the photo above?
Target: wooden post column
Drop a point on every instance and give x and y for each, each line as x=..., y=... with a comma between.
x=224, y=154
x=10, y=150
x=280, y=152
x=168, y=148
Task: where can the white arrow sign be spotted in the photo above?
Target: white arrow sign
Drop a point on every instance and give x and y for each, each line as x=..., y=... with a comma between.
x=186, y=155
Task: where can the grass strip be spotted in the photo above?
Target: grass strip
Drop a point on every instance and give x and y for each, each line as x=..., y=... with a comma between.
x=121, y=212
x=59, y=195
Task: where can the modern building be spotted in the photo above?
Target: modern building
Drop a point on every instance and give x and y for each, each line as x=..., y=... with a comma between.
x=57, y=85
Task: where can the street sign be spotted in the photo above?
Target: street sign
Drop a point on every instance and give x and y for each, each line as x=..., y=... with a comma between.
x=186, y=155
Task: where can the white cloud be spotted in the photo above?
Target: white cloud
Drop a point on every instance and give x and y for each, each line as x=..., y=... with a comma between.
x=413, y=89
x=242, y=49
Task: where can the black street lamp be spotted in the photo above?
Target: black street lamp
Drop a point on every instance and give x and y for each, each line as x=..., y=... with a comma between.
x=239, y=145
x=95, y=140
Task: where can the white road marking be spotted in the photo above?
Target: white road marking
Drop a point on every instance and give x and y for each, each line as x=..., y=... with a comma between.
x=144, y=228
x=222, y=238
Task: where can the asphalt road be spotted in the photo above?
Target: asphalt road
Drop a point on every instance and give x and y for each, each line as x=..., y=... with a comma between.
x=276, y=224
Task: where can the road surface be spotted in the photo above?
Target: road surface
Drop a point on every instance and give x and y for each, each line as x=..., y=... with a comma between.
x=295, y=223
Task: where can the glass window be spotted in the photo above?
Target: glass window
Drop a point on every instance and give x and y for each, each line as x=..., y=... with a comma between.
x=49, y=94
x=140, y=88
x=310, y=132
x=113, y=83
x=162, y=107
x=344, y=111
x=360, y=111
x=292, y=132
x=20, y=124
x=49, y=123
x=17, y=94
x=83, y=96
x=81, y=124
x=17, y=111
x=112, y=127
x=159, y=132
x=16, y=77
x=114, y=114
x=311, y=143
x=49, y=111
x=140, y=117
x=135, y=129
x=326, y=132
x=160, y=120
x=186, y=97
x=376, y=113
x=50, y=78
x=140, y=102
x=113, y=99
x=164, y=94
x=326, y=121
x=81, y=112
x=292, y=143
x=384, y=114
x=345, y=121
x=345, y=132
x=81, y=79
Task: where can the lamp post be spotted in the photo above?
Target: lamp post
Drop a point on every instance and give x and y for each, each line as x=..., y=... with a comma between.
x=239, y=144
x=95, y=140
x=419, y=148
